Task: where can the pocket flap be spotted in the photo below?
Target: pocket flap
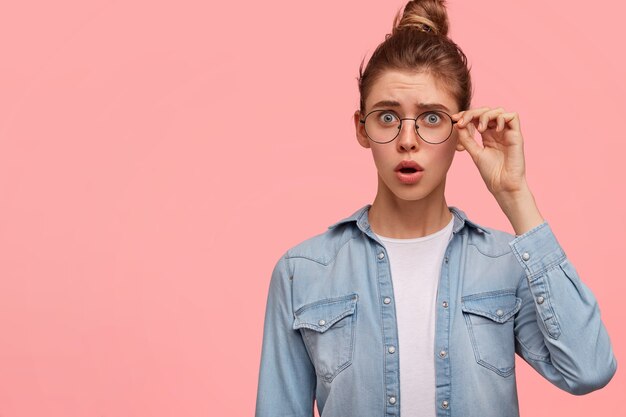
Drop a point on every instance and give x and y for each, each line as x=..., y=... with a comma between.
x=320, y=315
x=498, y=306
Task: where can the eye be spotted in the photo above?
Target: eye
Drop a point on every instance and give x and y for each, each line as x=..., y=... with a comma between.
x=387, y=117
x=432, y=118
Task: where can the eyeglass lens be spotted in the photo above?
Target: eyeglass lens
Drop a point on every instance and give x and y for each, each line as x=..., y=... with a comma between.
x=384, y=125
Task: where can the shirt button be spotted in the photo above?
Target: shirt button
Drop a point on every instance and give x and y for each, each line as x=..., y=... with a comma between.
x=445, y=304
x=386, y=300
x=446, y=259
x=392, y=400
x=445, y=404
x=540, y=300
x=321, y=322
x=443, y=354
x=499, y=313
x=525, y=256
x=381, y=255
x=392, y=349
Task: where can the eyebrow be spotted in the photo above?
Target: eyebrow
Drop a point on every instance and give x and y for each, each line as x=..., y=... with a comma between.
x=393, y=103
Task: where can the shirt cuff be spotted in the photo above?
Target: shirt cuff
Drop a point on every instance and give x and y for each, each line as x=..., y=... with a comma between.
x=537, y=250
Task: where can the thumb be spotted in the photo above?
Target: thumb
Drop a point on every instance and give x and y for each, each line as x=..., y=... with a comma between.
x=466, y=138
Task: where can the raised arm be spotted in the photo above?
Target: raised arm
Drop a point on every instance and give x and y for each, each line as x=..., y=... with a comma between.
x=558, y=329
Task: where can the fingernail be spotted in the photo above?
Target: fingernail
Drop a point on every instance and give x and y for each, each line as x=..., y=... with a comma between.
x=480, y=125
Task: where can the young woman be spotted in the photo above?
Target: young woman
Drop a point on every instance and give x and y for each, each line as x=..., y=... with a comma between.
x=408, y=307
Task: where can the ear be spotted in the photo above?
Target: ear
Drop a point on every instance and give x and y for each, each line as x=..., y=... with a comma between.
x=361, y=137
x=459, y=145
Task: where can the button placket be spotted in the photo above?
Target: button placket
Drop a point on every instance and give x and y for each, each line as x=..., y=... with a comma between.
x=442, y=335
x=389, y=328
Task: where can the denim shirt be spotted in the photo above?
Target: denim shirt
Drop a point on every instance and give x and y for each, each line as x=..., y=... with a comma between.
x=330, y=330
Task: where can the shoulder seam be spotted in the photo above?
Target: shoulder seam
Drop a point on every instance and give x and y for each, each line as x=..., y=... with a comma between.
x=330, y=260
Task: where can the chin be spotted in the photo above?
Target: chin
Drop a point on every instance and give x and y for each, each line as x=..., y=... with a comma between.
x=407, y=192
x=411, y=196
x=410, y=192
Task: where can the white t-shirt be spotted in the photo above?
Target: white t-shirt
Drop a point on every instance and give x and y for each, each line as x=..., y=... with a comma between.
x=415, y=269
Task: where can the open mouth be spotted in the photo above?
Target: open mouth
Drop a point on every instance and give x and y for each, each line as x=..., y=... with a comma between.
x=408, y=167
x=410, y=173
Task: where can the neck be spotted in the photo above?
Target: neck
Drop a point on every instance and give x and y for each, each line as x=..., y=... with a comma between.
x=393, y=217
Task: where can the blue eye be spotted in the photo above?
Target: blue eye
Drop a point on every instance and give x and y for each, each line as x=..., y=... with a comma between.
x=387, y=117
x=433, y=118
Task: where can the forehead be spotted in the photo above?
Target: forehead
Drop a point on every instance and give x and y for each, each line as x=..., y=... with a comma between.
x=410, y=90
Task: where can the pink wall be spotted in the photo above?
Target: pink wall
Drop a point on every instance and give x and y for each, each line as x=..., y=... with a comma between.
x=156, y=160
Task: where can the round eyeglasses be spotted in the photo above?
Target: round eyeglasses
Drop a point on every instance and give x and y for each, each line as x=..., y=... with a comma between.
x=383, y=126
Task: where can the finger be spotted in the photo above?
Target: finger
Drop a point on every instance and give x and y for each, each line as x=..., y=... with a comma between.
x=500, y=123
x=486, y=117
x=457, y=116
x=471, y=114
x=512, y=120
x=466, y=137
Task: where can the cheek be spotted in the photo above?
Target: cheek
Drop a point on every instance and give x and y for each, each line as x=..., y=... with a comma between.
x=380, y=155
x=444, y=155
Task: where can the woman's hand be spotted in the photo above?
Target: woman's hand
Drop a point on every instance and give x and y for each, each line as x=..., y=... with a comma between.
x=500, y=161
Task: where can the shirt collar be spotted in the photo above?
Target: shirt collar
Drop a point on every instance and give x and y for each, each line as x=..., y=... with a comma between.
x=361, y=219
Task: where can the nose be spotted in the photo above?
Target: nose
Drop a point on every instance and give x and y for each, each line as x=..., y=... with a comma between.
x=408, y=138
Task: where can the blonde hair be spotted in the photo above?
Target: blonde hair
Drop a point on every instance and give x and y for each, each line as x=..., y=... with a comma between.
x=418, y=42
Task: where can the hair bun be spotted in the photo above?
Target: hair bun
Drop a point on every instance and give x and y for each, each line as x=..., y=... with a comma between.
x=428, y=16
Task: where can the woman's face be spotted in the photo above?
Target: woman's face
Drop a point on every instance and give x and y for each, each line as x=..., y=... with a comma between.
x=410, y=92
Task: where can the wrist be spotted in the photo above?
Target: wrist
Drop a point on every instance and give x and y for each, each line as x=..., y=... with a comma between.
x=517, y=195
x=520, y=208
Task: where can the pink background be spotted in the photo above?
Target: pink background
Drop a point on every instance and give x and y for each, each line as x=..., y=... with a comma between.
x=156, y=158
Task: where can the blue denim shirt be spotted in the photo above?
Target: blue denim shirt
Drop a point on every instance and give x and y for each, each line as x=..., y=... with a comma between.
x=330, y=329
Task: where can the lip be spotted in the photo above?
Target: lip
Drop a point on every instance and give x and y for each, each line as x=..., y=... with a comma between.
x=408, y=163
x=409, y=177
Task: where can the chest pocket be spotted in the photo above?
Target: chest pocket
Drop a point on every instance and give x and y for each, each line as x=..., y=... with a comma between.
x=327, y=327
x=489, y=320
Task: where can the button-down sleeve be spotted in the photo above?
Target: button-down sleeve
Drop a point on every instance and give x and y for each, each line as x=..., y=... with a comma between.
x=287, y=377
x=558, y=329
